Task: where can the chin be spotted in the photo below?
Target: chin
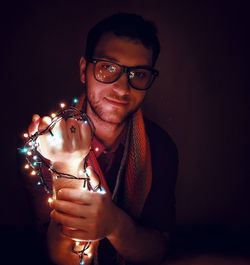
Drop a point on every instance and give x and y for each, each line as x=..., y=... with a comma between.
x=110, y=114
x=113, y=119
x=113, y=115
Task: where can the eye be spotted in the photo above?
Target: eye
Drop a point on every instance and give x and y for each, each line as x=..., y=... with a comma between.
x=109, y=67
x=137, y=74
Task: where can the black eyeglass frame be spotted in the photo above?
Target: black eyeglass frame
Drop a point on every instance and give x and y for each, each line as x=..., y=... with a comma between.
x=127, y=70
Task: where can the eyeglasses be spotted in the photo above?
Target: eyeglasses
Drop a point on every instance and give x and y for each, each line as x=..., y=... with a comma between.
x=139, y=77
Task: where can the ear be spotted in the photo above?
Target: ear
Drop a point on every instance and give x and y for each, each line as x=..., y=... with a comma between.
x=82, y=69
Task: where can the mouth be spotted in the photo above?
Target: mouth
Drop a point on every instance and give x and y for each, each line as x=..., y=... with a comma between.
x=117, y=101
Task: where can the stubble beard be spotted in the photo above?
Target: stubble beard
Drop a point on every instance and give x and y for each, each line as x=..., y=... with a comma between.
x=103, y=116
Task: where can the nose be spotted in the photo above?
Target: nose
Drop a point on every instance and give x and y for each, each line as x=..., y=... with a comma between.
x=121, y=86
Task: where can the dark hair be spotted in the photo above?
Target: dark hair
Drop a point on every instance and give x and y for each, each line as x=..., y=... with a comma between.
x=128, y=25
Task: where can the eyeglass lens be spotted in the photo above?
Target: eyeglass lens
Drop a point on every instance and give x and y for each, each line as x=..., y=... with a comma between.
x=108, y=72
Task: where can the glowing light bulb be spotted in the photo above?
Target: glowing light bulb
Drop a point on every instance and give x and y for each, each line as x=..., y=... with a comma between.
x=96, y=149
x=87, y=252
x=88, y=171
x=27, y=166
x=52, y=115
x=102, y=191
x=24, y=150
x=35, y=157
x=62, y=105
x=33, y=173
x=25, y=135
x=50, y=200
x=75, y=100
x=29, y=153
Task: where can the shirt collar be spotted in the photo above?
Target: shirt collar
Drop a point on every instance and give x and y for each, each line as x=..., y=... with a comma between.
x=100, y=148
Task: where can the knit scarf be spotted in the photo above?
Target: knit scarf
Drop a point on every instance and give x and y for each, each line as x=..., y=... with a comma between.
x=135, y=168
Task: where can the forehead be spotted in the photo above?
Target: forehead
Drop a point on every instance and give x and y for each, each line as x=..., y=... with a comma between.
x=123, y=50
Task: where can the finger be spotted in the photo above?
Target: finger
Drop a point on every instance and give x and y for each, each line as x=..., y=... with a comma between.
x=79, y=195
x=75, y=234
x=73, y=133
x=33, y=127
x=44, y=123
x=67, y=220
x=71, y=208
x=85, y=135
x=59, y=131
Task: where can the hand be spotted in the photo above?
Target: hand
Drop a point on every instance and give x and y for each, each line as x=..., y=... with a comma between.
x=84, y=215
x=68, y=144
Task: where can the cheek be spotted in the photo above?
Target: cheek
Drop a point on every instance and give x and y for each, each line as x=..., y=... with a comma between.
x=94, y=89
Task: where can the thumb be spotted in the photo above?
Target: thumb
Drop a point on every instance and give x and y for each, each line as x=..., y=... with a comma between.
x=44, y=123
x=33, y=127
x=95, y=180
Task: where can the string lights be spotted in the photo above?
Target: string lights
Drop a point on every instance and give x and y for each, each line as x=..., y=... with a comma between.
x=36, y=162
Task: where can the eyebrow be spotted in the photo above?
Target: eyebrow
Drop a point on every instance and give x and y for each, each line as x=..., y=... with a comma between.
x=107, y=57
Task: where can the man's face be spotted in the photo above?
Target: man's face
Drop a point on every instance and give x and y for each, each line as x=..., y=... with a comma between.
x=114, y=102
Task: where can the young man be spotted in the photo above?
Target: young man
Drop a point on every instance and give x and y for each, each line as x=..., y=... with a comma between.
x=131, y=221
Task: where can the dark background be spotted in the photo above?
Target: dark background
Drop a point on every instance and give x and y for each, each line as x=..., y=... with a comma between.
x=201, y=96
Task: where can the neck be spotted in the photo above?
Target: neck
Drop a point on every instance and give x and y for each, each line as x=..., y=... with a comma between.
x=105, y=131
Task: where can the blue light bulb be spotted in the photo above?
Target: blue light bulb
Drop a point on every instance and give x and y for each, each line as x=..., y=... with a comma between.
x=24, y=150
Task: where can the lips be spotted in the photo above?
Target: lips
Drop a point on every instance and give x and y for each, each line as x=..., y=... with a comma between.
x=117, y=100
